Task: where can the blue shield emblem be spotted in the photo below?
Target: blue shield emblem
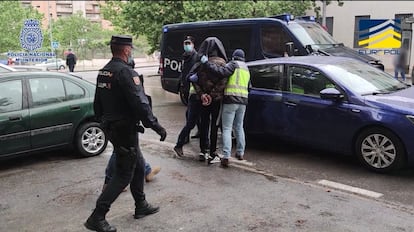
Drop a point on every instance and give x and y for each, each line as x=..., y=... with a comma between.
x=31, y=37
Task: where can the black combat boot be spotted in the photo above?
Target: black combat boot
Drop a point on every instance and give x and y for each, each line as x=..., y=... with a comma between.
x=100, y=225
x=143, y=209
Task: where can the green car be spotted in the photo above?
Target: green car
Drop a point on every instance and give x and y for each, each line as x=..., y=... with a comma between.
x=43, y=111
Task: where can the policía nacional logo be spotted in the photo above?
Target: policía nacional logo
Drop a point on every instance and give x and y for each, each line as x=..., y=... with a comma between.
x=380, y=33
x=31, y=37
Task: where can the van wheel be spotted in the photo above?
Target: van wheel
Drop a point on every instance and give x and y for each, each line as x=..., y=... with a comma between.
x=90, y=139
x=380, y=150
x=184, y=97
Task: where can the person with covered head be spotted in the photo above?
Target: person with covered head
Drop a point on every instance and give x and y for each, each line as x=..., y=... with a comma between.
x=210, y=88
x=234, y=102
x=120, y=104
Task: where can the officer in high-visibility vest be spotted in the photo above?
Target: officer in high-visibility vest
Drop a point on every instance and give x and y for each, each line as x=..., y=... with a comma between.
x=234, y=103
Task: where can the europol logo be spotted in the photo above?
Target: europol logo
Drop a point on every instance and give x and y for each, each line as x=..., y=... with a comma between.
x=380, y=33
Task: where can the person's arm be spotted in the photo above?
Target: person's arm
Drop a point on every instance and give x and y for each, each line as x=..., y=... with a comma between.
x=138, y=101
x=221, y=71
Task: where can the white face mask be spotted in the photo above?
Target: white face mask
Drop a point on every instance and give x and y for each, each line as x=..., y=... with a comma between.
x=130, y=60
x=188, y=47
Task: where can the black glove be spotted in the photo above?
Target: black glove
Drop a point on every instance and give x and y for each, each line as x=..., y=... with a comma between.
x=139, y=128
x=161, y=131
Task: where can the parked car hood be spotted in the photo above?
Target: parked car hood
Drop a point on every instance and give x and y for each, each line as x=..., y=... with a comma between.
x=402, y=100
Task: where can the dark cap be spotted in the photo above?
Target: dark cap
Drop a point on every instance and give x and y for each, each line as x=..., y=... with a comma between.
x=238, y=54
x=121, y=40
x=189, y=38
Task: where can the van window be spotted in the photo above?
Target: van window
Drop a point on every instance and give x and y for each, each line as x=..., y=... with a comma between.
x=233, y=38
x=173, y=42
x=312, y=34
x=267, y=76
x=274, y=39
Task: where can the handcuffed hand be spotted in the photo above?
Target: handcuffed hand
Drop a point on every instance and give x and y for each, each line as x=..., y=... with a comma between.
x=206, y=99
x=204, y=59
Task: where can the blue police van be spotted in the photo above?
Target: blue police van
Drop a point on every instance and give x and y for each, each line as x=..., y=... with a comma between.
x=260, y=38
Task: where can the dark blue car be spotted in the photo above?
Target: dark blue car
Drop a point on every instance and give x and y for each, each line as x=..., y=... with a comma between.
x=334, y=103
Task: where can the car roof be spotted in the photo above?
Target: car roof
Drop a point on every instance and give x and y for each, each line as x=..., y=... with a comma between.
x=28, y=74
x=11, y=69
x=303, y=60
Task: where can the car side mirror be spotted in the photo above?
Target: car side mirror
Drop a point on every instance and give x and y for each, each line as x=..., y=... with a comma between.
x=331, y=94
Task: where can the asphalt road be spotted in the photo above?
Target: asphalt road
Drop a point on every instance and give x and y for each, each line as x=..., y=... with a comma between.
x=283, y=159
x=278, y=189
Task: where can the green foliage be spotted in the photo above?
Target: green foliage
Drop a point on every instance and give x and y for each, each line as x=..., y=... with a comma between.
x=78, y=33
x=317, y=9
x=12, y=18
x=147, y=17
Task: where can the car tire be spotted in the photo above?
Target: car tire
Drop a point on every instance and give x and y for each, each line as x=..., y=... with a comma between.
x=61, y=67
x=380, y=150
x=90, y=139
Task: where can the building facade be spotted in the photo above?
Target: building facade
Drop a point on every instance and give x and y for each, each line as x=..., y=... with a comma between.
x=57, y=9
x=343, y=23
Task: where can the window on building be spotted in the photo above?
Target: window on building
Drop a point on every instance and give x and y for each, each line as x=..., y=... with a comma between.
x=329, y=24
x=356, y=29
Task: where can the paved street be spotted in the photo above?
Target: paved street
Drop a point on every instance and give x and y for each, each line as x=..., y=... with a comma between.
x=192, y=196
x=56, y=192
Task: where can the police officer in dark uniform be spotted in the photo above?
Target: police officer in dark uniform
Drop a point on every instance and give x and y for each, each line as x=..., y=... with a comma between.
x=120, y=104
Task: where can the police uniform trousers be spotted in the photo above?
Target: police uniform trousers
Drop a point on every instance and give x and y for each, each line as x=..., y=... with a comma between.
x=130, y=166
x=193, y=118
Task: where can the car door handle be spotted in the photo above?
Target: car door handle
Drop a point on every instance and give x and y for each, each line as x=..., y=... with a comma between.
x=290, y=103
x=73, y=108
x=15, y=118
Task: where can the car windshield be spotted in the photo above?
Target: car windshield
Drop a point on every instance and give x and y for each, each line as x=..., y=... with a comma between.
x=364, y=79
x=312, y=34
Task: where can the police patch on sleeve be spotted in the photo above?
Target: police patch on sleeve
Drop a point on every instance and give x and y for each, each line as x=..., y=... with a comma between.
x=136, y=80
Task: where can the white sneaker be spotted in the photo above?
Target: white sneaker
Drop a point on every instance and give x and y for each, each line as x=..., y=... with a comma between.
x=213, y=161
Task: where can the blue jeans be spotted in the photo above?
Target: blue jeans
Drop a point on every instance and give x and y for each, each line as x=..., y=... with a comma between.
x=399, y=70
x=110, y=168
x=232, y=117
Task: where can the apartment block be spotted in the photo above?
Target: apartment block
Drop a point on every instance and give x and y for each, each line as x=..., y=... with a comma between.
x=58, y=9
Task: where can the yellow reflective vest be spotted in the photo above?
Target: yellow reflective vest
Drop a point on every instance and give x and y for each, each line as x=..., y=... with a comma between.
x=237, y=84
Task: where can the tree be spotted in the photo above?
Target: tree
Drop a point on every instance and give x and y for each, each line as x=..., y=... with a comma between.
x=147, y=18
x=79, y=33
x=12, y=18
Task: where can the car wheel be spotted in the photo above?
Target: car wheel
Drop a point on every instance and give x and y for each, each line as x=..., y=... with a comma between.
x=61, y=67
x=380, y=150
x=90, y=139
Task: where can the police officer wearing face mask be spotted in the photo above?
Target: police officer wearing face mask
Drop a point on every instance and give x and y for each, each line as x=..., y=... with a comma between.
x=190, y=57
x=120, y=104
